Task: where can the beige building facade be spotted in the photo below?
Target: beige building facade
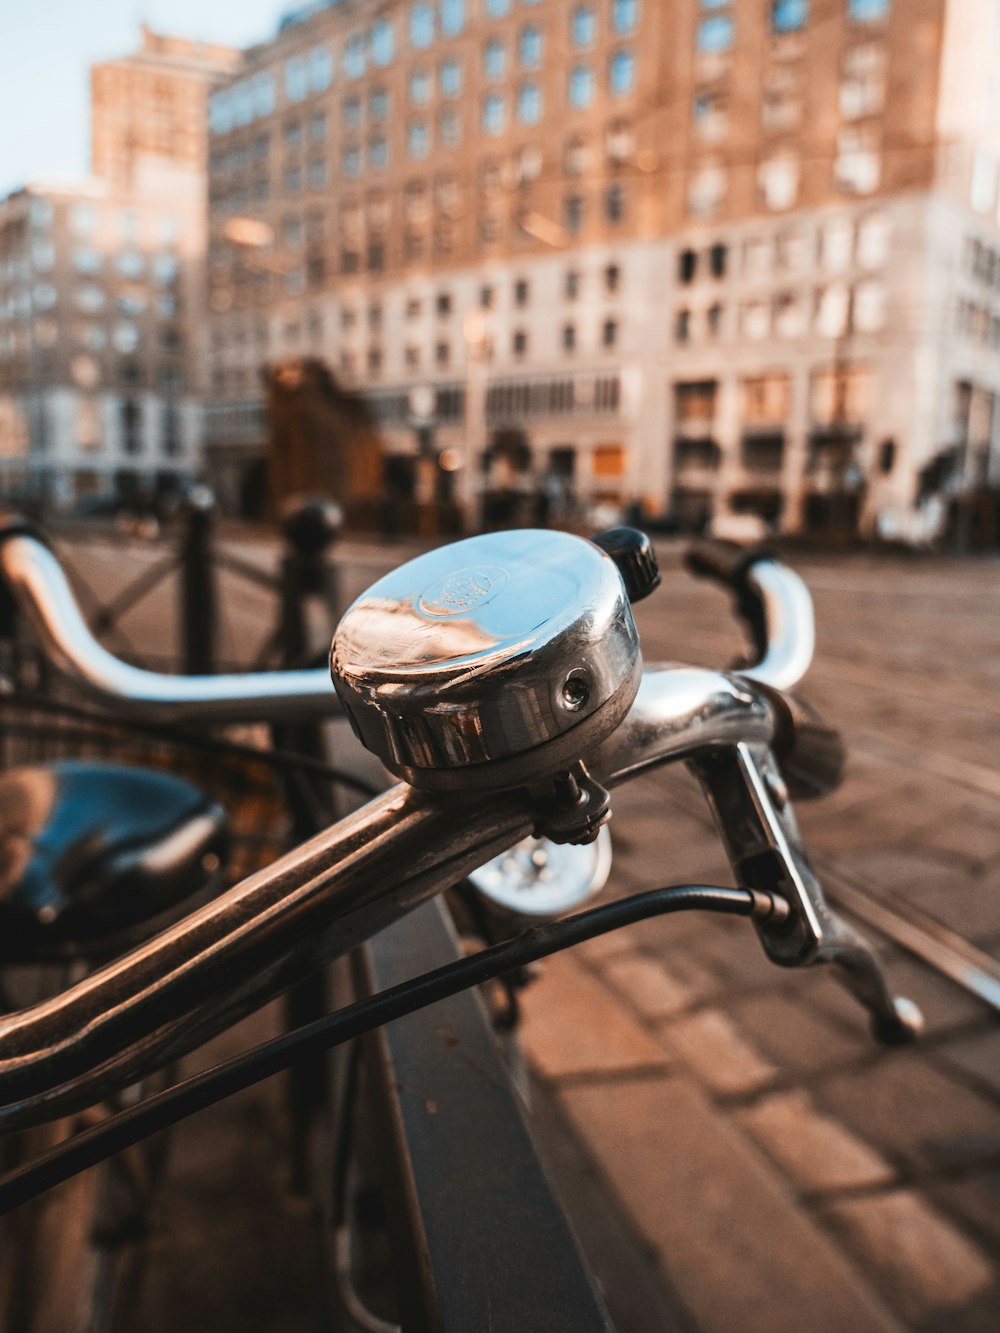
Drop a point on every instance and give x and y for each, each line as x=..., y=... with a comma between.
x=101, y=285
x=700, y=258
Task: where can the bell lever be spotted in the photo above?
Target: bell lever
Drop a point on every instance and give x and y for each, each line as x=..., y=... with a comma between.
x=750, y=802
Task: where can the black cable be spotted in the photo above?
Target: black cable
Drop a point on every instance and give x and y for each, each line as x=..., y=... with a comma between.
x=124, y=1128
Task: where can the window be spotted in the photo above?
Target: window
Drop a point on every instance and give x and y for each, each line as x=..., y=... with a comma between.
x=43, y=255
x=576, y=157
x=293, y=133
x=609, y=333
x=355, y=56
x=569, y=337
x=497, y=9
x=781, y=99
x=494, y=114
x=450, y=127
x=571, y=284
x=86, y=261
x=296, y=79
x=583, y=26
x=317, y=126
x=614, y=203
x=90, y=299
x=529, y=104
x=418, y=141
x=612, y=277
x=317, y=174
x=581, y=86
x=619, y=142
x=874, y=232
x=869, y=307
x=707, y=190
x=350, y=161
x=624, y=14
x=320, y=69
x=868, y=11
x=713, y=320
x=378, y=153
x=125, y=337
x=519, y=343
x=862, y=88
x=778, y=181
x=45, y=296
x=382, y=43
x=682, y=326
x=494, y=59
x=832, y=306
x=983, y=187
x=858, y=166
x=421, y=26
x=350, y=112
x=443, y=304
x=486, y=298
x=442, y=354
x=622, y=72
x=765, y=400
x=262, y=93
x=789, y=15
x=687, y=266
x=450, y=78
x=755, y=320
x=420, y=86
x=452, y=17
x=709, y=114
x=789, y=316
x=717, y=260
x=130, y=264
x=374, y=360
x=715, y=35
x=573, y=209
x=521, y=292
x=530, y=47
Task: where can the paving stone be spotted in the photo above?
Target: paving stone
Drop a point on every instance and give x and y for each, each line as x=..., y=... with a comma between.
x=975, y=1199
x=648, y=986
x=729, y=1235
x=921, y=1259
x=721, y=1058
x=817, y=1152
x=796, y=1038
x=907, y=1107
x=978, y=1055
x=574, y=1025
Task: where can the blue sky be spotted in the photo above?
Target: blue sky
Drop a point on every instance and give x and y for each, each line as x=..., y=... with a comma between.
x=47, y=47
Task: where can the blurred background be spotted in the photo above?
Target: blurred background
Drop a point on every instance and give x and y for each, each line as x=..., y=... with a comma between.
x=724, y=264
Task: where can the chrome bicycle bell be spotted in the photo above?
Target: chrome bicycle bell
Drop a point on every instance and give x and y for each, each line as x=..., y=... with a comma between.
x=540, y=880
x=494, y=662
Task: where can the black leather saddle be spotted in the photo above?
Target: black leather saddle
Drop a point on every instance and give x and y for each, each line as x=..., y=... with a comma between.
x=89, y=851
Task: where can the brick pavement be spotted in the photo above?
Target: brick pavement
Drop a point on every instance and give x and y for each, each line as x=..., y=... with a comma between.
x=783, y=1170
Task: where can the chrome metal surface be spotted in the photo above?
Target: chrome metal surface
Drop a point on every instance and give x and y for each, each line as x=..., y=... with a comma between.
x=791, y=626
x=37, y=581
x=491, y=662
x=199, y=976
x=540, y=879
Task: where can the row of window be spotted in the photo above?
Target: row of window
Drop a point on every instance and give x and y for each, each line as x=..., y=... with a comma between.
x=716, y=32
x=837, y=310
x=835, y=245
x=313, y=71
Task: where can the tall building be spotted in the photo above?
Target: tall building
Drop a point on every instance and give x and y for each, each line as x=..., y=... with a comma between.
x=709, y=257
x=101, y=291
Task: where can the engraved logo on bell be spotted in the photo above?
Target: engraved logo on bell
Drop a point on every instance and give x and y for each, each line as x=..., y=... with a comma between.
x=463, y=591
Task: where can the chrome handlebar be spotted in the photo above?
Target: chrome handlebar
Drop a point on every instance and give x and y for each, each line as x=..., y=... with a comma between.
x=40, y=588
x=197, y=977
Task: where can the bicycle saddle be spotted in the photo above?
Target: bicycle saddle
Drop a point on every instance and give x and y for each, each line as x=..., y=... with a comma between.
x=492, y=662
x=88, y=849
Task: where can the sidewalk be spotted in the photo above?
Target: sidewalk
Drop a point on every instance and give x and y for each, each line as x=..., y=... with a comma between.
x=780, y=1170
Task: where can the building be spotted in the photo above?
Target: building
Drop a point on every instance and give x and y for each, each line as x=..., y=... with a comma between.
x=101, y=291
x=704, y=258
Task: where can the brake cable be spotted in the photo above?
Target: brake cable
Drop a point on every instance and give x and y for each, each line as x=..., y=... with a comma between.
x=124, y=1128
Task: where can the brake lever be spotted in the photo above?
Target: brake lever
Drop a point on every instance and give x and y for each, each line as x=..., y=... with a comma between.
x=749, y=800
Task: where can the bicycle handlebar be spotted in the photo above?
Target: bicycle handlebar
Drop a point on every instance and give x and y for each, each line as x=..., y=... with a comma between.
x=40, y=588
x=197, y=977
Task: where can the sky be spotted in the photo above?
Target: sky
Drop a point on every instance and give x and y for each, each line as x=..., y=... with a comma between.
x=47, y=48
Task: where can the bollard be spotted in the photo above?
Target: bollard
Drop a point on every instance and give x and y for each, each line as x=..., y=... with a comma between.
x=198, y=601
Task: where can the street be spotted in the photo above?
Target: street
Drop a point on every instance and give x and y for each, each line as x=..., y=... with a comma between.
x=768, y=1166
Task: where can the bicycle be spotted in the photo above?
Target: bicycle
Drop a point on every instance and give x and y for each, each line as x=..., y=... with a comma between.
x=509, y=709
